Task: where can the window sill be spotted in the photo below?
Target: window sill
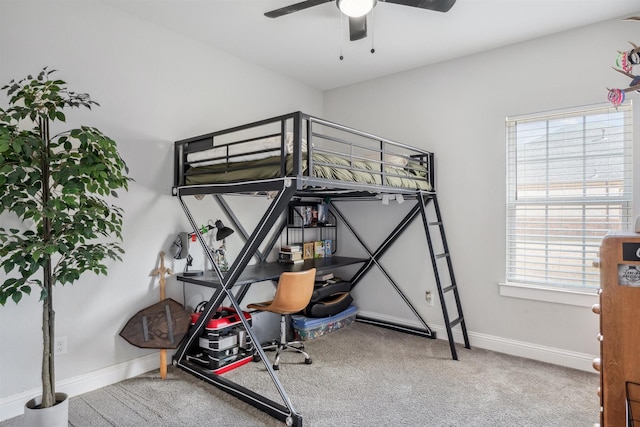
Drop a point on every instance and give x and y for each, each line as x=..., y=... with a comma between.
x=540, y=293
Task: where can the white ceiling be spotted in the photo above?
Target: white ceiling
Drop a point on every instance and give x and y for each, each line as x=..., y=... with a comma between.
x=306, y=45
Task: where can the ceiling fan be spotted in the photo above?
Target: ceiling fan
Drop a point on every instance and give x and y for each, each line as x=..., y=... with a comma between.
x=357, y=10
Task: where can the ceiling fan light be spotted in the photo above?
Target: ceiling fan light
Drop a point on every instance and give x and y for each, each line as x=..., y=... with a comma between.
x=356, y=8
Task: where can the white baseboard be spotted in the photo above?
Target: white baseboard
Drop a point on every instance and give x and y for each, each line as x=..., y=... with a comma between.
x=556, y=356
x=13, y=406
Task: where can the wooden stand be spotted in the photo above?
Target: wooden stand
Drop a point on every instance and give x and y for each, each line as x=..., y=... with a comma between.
x=619, y=311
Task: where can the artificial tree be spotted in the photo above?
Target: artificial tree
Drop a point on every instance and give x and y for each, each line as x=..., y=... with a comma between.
x=60, y=187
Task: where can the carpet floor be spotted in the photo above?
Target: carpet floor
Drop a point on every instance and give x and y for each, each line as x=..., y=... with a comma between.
x=361, y=375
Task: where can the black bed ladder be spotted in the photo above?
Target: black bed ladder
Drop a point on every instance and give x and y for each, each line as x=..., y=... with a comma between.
x=436, y=258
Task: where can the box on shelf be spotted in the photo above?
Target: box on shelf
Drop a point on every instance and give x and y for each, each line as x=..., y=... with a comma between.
x=318, y=249
x=328, y=245
x=291, y=248
x=307, y=328
x=323, y=213
x=290, y=257
x=324, y=277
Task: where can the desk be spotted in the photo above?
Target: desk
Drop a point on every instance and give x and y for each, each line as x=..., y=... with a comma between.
x=251, y=274
x=272, y=270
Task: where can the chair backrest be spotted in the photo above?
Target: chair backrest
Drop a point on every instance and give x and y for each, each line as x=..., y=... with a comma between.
x=294, y=291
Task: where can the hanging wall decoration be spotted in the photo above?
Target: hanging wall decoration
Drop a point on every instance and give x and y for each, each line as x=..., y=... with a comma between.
x=625, y=62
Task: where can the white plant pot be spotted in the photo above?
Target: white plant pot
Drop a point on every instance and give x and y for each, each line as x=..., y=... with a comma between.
x=54, y=416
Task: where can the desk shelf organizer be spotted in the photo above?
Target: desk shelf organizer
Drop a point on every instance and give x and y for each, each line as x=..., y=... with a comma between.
x=309, y=222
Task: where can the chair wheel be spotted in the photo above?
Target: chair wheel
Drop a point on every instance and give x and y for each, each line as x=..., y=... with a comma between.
x=256, y=357
x=308, y=361
x=276, y=367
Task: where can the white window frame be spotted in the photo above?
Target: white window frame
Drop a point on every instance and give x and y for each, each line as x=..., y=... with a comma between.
x=527, y=281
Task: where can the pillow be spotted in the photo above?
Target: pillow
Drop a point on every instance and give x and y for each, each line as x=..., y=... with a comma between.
x=416, y=168
x=389, y=159
x=218, y=153
x=288, y=140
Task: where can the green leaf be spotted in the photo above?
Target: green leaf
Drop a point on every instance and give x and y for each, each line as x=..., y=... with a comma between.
x=16, y=297
x=8, y=266
x=17, y=147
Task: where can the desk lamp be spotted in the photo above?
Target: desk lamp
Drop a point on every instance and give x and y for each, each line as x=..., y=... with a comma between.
x=180, y=247
x=223, y=231
x=219, y=254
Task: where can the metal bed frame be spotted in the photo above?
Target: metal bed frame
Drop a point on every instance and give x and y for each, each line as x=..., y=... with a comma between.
x=283, y=190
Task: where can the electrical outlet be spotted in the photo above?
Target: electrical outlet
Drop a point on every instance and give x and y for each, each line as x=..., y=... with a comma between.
x=429, y=297
x=60, y=346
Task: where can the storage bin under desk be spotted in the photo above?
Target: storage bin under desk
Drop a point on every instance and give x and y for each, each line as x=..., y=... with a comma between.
x=308, y=328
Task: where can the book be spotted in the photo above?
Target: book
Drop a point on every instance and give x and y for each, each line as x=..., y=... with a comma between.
x=318, y=249
x=323, y=213
x=307, y=215
x=324, y=277
x=289, y=256
x=296, y=261
x=291, y=248
x=328, y=244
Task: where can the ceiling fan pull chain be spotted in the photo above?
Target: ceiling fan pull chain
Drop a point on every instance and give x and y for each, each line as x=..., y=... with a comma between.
x=341, y=34
x=372, y=32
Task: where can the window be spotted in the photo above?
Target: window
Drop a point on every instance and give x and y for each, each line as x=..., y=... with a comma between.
x=569, y=181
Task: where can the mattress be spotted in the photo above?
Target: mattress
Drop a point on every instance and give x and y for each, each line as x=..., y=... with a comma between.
x=327, y=166
x=260, y=148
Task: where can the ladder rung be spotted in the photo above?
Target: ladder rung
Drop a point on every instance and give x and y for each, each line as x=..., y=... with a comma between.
x=448, y=288
x=442, y=255
x=455, y=322
x=435, y=223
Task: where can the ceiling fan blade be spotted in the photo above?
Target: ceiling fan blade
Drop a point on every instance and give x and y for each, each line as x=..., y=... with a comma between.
x=357, y=28
x=294, y=8
x=437, y=5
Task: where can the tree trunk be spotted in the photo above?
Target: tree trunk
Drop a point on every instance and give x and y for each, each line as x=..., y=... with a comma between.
x=48, y=368
x=48, y=315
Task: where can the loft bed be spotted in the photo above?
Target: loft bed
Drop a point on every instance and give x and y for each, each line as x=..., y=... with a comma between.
x=300, y=157
x=319, y=155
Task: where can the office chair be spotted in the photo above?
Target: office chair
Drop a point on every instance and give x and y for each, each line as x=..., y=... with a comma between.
x=293, y=294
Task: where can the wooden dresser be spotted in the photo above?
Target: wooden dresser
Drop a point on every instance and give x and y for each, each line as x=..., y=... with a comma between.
x=619, y=310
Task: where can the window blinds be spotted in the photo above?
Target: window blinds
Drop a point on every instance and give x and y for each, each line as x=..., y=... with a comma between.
x=569, y=181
